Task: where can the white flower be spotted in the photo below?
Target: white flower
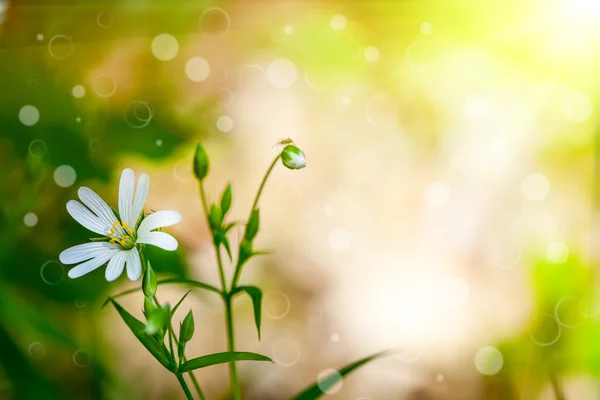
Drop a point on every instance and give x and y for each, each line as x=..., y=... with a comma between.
x=125, y=235
x=293, y=158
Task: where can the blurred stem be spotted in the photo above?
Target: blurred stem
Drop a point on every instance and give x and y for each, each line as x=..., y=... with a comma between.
x=185, y=387
x=235, y=383
x=558, y=392
x=238, y=267
x=206, y=216
x=172, y=338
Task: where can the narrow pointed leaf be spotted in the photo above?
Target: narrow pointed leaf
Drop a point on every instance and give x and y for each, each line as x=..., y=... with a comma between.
x=179, y=303
x=225, y=243
x=221, y=358
x=256, y=296
x=156, y=348
x=316, y=390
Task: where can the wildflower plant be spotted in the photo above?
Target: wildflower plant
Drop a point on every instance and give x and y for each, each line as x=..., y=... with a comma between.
x=124, y=235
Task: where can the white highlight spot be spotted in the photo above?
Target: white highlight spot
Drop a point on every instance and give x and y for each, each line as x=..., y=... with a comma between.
x=78, y=91
x=40, y=37
x=29, y=115
x=282, y=73
x=437, y=194
x=225, y=123
x=340, y=240
x=535, y=187
x=371, y=54
x=489, y=360
x=578, y=107
x=439, y=378
x=346, y=101
x=65, y=176
x=30, y=219
x=197, y=69
x=557, y=252
x=338, y=22
x=288, y=30
x=426, y=28
x=335, y=337
x=165, y=47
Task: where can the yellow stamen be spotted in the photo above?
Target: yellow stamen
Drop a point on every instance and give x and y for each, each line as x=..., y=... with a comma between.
x=130, y=230
x=123, y=243
x=111, y=232
x=112, y=241
x=125, y=237
x=124, y=224
x=116, y=224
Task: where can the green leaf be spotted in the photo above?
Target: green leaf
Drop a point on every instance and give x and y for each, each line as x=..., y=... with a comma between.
x=221, y=358
x=316, y=390
x=225, y=242
x=228, y=227
x=190, y=282
x=156, y=348
x=158, y=320
x=179, y=303
x=256, y=295
x=226, y=199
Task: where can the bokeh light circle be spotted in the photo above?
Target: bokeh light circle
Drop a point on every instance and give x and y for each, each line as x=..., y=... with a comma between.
x=60, y=47
x=215, y=21
x=197, y=69
x=252, y=77
x=40, y=37
x=426, y=28
x=557, y=252
x=488, y=360
x=543, y=336
x=30, y=219
x=52, y=272
x=94, y=145
x=37, y=148
x=371, y=54
x=321, y=80
x=182, y=170
x=36, y=350
x=338, y=22
x=286, y=352
x=138, y=114
x=439, y=378
x=535, y=187
x=335, y=337
x=78, y=91
x=65, y=176
x=340, y=240
x=578, y=107
x=276, y=305
x=225, y=123
x=288, y=29
x=330, y=381
x=282, y=73
x=80, y=304
x=104, y=19
x=380, y=111
x=165, y=47
x=29, y=115
x=569, y=308
x=81, y=358
x=104, y=86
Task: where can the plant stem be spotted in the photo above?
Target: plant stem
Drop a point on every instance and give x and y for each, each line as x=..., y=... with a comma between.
x=231, y=347
x=185, y=387
x=238, y=267
x=558, y=393
x=206, y=215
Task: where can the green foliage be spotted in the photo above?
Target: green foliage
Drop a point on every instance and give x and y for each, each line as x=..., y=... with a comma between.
x=252, y=227
x=256, y=295
x=226, y=199
x=221, y=358
x=187, y=328
x=215, y=218
x=149, y=284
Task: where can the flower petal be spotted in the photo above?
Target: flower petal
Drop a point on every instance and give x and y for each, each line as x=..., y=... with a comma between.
x=141, y=192
x=134, y=265
x=159, y=239
x=85, y=217
x=97, y=205
x=126, y=194
x=158, y=219
x=115, y=266
x=92, y=264
x=83, y=252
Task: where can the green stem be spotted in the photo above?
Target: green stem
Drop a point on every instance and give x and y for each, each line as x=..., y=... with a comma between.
x=235, y=383
x=239, y=267
x=185, y=387
x=206, y=215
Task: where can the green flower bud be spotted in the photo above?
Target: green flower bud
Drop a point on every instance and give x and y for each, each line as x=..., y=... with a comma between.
x=226, y=199
x=148, y=307
x=201, y=163
x=149, y=284
x=293, y=158
x=252, y=227
x=187, y=328
x=158, y=320
x=215, y=217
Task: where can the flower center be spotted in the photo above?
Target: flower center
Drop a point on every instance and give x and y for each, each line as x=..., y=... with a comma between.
x=122, y=234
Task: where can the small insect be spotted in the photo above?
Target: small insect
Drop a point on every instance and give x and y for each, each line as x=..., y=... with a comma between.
x=284, y=142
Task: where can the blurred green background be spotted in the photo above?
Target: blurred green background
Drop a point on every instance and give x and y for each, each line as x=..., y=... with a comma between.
x=448, y=208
